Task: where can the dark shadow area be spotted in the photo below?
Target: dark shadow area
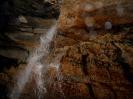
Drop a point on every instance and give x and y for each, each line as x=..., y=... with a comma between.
x=3, y=92
x=6, y=62
x=91, y=92
x=4, y=18
x=84, y=64
x=127, y=70
x=125, y=66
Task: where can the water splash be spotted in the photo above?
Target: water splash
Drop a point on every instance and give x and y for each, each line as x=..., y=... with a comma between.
x=56, y=66
x=35, y=66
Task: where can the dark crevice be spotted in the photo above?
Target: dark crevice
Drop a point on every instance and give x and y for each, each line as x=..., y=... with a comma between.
x=6, y=62
x=91, y=91
x=3, y=91
x=125, y=66
x=126, y=69
x=84, y=64
x=85, y=71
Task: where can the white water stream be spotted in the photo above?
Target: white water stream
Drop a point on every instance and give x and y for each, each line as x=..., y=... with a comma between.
x=35, y=67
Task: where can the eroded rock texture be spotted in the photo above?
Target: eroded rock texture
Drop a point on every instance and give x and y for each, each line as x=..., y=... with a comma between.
x=21, y=26
x=97, y=36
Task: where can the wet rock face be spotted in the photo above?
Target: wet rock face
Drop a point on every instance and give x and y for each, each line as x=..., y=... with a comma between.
x=40, y=8
x=98, y=14
x=98, y=36
x=99, y=66
x=21, y=25
x=16, y=45
x=20, y=28
x=97, y=40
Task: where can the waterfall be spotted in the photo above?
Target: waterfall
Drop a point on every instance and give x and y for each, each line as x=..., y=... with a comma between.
x=35, y=67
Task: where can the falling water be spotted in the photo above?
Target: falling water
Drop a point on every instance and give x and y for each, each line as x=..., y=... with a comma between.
x=56, y=65
x=35, y=66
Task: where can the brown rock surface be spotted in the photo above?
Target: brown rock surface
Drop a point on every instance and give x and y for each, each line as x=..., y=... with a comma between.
x=88, y=13
x=97, y=36
x=97, y=41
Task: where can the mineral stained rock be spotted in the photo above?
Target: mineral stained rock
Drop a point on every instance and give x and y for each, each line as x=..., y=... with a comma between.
x=97, y=36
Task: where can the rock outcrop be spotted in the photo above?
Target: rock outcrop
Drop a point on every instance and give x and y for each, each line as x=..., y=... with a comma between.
x=95, y=41
x=21, y=25
x=97, y=37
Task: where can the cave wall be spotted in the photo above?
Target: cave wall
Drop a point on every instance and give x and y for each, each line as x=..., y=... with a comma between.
x=17, y=16
x=97, y=39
